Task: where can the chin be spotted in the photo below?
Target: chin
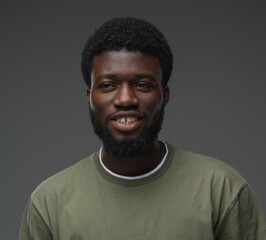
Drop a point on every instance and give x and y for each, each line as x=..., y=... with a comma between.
x=129, y=145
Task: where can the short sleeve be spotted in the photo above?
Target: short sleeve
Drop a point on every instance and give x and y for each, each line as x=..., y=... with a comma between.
x=33, y=226
x=244, y=219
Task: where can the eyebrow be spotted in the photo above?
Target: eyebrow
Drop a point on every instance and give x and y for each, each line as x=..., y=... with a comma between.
x=106, y=75
x=144, y=75
x=113, y=76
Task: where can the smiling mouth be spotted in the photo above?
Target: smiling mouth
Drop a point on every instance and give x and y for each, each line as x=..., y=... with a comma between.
x=126, y=120
x=126, y=124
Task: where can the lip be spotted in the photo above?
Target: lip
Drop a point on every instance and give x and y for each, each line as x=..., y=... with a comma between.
x=124, y=114
x=126, y=127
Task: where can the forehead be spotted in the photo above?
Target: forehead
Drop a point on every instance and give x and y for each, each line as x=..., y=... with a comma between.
x=125, y=62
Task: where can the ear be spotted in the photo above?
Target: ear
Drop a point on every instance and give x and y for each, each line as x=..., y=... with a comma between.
x=88, y=94
x=166, y=95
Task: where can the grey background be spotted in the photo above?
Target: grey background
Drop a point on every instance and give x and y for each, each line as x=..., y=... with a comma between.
x=218, y=89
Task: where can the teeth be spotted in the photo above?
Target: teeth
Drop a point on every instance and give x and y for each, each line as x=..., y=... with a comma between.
x=127, y=120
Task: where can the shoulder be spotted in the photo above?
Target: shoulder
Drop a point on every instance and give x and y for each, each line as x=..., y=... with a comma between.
x=213, y=184
x=205, y=166
x=64, y=182
x=207, y=177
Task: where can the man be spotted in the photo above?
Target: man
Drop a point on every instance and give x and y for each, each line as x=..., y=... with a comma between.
x=137, y=187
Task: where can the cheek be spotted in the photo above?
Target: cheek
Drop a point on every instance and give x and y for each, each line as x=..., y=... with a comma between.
x=95, y=105
x=96, y=101
x=153, y=103
x=100, y=104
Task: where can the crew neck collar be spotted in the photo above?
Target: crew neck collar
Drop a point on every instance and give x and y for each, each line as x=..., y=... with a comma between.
x=138, y=176
x=140, y=179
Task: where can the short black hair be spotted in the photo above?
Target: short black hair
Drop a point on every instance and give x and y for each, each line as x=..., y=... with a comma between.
x=131, y=34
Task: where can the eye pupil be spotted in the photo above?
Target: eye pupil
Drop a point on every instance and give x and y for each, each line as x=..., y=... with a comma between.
x=142, y=84
x=106, y=86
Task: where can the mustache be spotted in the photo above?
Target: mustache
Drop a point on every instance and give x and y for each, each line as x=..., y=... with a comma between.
x=120, y=112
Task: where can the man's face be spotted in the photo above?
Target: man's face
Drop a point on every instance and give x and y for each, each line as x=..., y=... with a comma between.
x=126, y=99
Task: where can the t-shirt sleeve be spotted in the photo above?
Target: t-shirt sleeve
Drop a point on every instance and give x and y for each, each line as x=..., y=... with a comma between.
x=33, y=226
x=244, y=219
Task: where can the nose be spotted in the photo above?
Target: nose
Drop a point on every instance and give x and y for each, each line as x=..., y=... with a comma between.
x=125, y=97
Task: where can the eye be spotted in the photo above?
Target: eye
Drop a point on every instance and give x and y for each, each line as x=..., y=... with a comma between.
x=143, y=86
x=107, y=86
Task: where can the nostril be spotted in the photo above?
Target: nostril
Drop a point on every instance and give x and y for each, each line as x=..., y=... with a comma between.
x=125, y=97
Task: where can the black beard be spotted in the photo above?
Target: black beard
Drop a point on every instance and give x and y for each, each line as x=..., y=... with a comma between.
x=128, y=148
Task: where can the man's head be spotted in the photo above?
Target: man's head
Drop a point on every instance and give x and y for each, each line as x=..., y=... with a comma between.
x=130, y=34
x=127, y=64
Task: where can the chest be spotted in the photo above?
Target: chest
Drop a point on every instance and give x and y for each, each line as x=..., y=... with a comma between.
x=158, y=213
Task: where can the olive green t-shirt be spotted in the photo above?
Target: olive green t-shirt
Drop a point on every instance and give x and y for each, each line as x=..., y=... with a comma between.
x=191, y=197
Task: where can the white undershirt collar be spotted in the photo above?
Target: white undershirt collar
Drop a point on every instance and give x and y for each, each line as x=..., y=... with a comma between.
x=139, y=176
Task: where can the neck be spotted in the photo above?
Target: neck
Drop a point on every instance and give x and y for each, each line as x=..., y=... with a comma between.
x=142, y=164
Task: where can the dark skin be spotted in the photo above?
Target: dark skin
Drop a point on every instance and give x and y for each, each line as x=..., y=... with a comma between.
x=126, y=93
